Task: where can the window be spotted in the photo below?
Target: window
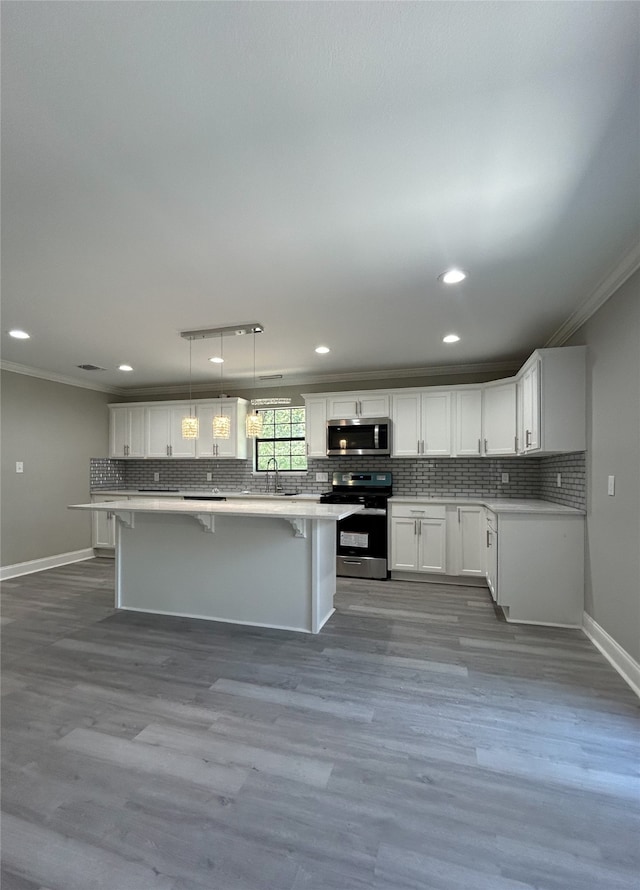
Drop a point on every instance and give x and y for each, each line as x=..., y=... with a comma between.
x=283, y=438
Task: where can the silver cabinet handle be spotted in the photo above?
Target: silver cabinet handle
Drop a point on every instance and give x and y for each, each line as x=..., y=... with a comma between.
x=423, y=446
x=421, y=512
x=485, y=446
x=415, y=526
x=527, y=440
x=488, y=538
x=515, y=444
x=480, y=446
x=458, y=514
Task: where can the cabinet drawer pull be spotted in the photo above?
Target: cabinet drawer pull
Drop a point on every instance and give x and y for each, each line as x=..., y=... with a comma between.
x=417, y=511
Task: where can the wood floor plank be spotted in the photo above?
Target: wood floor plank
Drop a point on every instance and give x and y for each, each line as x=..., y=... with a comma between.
x=416, y=743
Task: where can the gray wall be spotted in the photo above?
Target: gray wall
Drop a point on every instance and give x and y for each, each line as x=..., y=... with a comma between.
x=54, y=429
x=612, y=577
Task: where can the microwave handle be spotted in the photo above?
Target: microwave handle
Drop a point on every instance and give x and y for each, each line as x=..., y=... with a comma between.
x=376, y=435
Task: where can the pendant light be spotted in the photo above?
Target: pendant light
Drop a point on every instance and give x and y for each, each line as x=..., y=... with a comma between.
x=254, y=420
x=190, y=423
x=221, y=425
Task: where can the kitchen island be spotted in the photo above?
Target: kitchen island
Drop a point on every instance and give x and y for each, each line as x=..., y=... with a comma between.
x=265, y=563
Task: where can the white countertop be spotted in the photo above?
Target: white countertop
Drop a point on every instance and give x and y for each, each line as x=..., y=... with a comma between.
x=268, y=507
x=496, y=505
x=205, y=492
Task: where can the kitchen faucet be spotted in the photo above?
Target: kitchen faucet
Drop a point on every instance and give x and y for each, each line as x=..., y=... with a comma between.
x=276, y=484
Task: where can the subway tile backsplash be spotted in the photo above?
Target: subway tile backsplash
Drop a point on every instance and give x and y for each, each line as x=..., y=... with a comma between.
x=529, y=477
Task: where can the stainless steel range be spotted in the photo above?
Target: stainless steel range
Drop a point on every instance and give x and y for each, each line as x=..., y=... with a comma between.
x=361, y=545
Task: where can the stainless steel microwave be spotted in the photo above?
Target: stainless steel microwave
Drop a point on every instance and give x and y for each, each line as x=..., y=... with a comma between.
x=359, y=435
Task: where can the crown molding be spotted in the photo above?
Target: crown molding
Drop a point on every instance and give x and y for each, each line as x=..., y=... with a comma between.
x=16, y=368
x=623, y=270
x=507, y=367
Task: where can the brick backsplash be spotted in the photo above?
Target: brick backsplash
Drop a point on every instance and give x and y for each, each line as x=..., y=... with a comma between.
x=442, y=477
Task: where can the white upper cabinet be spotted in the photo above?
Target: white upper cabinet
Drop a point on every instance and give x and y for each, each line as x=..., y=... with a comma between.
x=552, y=394
x=468, y=422
x=499, y=418
x=436, y=424
x=233, y=448
x=357, y=404
x=316, y=426
x=164, y=431
x=126, y=431
x=421, y=424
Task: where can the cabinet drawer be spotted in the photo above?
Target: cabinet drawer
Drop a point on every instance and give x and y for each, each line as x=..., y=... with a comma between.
x=418, y=511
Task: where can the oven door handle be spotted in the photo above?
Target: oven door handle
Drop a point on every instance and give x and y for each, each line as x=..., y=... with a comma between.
x=371, y=511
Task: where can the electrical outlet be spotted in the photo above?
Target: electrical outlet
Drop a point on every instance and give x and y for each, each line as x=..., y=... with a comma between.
x=156, y=477
x=559, y=480
x=19, y=466
x=505, y=478
x=209, y=477
x=322, y=477
x=611, y=486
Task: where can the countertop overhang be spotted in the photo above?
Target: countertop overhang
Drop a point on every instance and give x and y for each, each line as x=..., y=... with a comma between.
x=285, y=508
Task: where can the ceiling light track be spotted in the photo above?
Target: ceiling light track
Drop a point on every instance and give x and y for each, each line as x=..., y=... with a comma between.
x=233, y=330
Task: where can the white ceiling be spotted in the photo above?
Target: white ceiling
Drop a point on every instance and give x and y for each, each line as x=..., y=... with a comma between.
x=314, y=167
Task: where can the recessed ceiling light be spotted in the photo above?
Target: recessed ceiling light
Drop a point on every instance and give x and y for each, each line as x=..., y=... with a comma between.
x=452, y=276
x=19, y=335
x=322, y=350
x=216, y=359
x=450, y=338
x=125, y=368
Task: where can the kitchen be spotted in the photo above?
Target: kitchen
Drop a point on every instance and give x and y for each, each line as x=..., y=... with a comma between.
x=552, y=263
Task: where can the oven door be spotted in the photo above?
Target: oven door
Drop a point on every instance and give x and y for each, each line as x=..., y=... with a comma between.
x=361, y=545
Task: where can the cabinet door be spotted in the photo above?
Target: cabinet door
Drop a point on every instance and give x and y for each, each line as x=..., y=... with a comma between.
x=470, y=552
x=491, y=557
x=436, y=424
x=158, y=431
x=316, y=427
x=406, y=432
x=499, y=419
x=118, y=431
x=136, y=422
x=468, y=425
x=404, y=539
x=180, y=447
x=373, y=406
x=432, y=545
x=531, y=408
x=103, y=526
x=341, y=407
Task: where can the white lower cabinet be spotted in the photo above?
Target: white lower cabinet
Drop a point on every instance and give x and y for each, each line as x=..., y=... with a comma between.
x=103, y=531
x=536, y=567
x=465, y=530
x=418, y=537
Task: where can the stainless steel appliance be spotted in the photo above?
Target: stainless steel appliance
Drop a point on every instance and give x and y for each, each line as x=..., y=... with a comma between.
x=361, y=539
x=359, y=435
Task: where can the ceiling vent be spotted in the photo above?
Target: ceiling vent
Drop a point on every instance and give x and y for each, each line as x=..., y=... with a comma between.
x=90, y=368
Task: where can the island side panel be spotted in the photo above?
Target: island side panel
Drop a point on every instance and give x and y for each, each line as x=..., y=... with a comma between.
x=249, y=570
x=323, y=572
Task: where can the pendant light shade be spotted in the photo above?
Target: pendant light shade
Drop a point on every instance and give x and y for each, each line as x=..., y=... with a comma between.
x=221, y=425
x=254, y=420
x=190, y=427
x=190, y=423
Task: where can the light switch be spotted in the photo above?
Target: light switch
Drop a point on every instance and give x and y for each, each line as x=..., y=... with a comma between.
x=19, y=466
x=611, y=485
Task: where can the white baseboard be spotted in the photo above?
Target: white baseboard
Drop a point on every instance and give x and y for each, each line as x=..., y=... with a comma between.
x=47, y=562
x=619, y=658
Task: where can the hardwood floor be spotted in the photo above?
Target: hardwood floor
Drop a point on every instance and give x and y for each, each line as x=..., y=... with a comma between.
x=416, y=743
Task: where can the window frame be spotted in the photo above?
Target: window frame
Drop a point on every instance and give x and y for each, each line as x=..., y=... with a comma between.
x=290, y=439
